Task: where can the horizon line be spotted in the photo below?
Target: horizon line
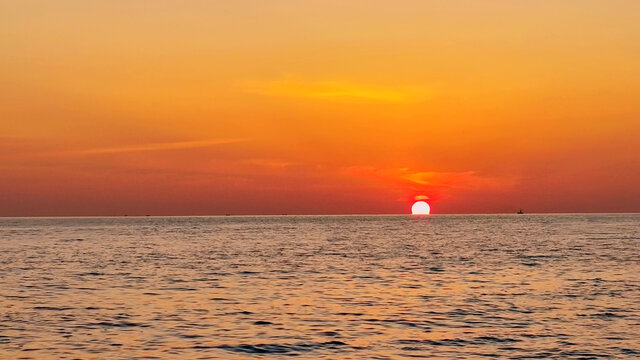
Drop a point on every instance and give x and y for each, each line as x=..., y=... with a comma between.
x=306, y=215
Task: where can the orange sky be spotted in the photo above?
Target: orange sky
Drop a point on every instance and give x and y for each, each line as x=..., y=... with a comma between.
x=314, y=107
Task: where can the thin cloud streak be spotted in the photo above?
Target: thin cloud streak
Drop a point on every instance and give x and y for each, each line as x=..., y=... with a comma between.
x=432, y=183
x=336, y=91
x=151, y=147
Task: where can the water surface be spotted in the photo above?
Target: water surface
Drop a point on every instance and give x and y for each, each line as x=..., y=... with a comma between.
x=332, y=287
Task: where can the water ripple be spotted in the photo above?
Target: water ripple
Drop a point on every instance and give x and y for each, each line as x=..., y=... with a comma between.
x=368, y=287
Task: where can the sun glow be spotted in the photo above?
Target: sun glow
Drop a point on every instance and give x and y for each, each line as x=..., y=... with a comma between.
x=420, y=208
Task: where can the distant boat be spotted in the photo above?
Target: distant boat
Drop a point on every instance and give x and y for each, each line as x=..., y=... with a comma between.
x=520, y=212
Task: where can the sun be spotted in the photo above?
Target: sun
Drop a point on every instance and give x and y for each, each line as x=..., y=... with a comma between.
x=420, y=208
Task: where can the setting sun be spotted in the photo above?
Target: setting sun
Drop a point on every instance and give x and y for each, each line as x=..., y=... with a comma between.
x=420, y=208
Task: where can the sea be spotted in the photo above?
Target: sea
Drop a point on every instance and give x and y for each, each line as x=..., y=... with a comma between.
x=321, y=287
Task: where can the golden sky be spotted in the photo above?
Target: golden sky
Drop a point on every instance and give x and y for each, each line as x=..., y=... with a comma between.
x=312, y=107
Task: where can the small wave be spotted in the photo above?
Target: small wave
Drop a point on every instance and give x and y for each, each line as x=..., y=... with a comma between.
x=180, y=289
x=52, y=308
x=630, y=352
x=262, y=322
x=91, y=273
x=330, y=333
x=282, y=348
x=242, y=312
x=603, y=315
x=546, y=354
x=482, y=340
x=123, y=324
x=490, y=339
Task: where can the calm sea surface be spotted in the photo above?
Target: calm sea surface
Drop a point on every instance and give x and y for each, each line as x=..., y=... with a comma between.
x=333, y=287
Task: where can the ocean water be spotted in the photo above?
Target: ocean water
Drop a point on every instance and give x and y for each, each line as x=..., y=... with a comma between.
x=326, y=287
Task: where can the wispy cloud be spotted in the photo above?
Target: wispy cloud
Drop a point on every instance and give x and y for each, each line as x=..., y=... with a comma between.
x=431, y=182
x=443, y=179
x=150, y=147
x=337, y=91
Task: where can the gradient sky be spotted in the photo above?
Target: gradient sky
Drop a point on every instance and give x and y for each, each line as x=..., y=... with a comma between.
x=314, y=107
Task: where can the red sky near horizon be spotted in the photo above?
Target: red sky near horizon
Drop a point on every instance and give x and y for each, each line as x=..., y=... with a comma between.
x=318, y=107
